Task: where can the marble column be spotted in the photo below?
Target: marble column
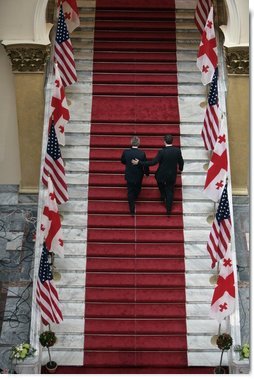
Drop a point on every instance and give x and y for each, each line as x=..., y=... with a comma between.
x=28, y=66
x=237, y=61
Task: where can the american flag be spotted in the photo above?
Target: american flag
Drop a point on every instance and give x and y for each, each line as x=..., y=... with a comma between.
x=223, y=301
x=51, y=229
x=201, y=13
x=211, y=125
x=63, y=53
x=207, y=59
x=71, y=13
x=46, y=293
x=59, y=108
x=220, y=235
x=54, y=167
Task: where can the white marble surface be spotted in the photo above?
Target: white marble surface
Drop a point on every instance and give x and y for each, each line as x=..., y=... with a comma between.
x=193, y=180
x=77, y=192
x=191, y=129
x=204, y=326
x=197, y=154
x=77, y=127
x=183, y=4
x=192, y=193
x=76, y=178
x=69, y=325
x=195, y=89
x=197, y=265
x=75, y=152
x=66, y=357
x=191, y=166
x=74, y=248
x=206, y=358
x=196, y=235
x=71, y=294
x=78, y=87
x=73, y=279
x=188, y=55
x=74, y=234
x=70, y=341
x=192, y=141
x=74, y=206
x=201, y=207
x=78, y=139
x=201, y=342
x=196, y=295
x=196, y=222
x=190, y=110
x=198, y=280
x=71, y=263
x=80, y=107
x=75, y=309
x=76, y=165
x=195, y=249
x=186, y=77
x=198, y=310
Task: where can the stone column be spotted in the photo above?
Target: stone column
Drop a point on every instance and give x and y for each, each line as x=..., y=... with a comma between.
x=237, y=61
x=28, y=66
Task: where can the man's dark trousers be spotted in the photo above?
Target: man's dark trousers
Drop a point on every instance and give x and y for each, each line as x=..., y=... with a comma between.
x=167, y=192
x=133, y=192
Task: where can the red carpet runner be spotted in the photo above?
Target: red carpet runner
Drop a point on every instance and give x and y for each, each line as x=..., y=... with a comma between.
x=135, y=320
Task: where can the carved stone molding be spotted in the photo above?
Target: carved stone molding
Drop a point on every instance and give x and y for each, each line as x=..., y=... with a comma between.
x=28, y=57
x=237, y=60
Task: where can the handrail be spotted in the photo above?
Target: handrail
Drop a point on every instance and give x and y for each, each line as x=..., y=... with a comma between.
x=233, y=321
x=36, y=324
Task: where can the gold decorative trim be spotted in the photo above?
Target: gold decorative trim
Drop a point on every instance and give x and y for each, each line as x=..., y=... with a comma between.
x=237, y=60
x=28, y=57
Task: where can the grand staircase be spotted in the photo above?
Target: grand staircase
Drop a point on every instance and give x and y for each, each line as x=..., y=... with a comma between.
x=135, y=291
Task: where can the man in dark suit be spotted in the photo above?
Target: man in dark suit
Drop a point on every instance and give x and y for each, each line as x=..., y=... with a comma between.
x=134, y=173
x=169, y=159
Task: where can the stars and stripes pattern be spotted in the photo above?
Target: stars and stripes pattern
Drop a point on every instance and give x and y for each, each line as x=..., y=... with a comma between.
x=207, y=59
x=71, y=14
x=218, y=167
x=223, y=301
x=51, y=228
x=220, y=235
x=59, y=109
x=54, y=167
x=201, y=13
x=46, y=293
x=211, y=125
x=63, y=53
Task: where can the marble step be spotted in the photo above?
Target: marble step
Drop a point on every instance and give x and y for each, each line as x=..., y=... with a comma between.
x=202, y=207
x=78, y=165
x=180, y=4
x=112, y=141
x=195, y=327
x=186, y=128
x=74, y=357
x=74, y=263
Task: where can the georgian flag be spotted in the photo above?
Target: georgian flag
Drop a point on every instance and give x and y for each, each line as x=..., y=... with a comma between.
x=223, y=301
x=71, y=13
x=59, y=109
x=51, y=223
x=218, y=167
x=207, y=59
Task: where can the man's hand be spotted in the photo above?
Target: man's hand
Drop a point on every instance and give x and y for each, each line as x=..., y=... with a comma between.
x=135, y=161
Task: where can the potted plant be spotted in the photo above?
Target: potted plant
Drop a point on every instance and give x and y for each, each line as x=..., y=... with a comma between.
x=48, y=339
x=224, y=342
x=244, y=351
x=20, y=352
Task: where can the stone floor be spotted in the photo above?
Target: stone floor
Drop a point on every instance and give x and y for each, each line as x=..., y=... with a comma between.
x=17, y=228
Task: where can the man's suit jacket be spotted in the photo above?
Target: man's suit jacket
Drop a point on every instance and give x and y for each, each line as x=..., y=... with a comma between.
x=169, y=159
x=134, y=174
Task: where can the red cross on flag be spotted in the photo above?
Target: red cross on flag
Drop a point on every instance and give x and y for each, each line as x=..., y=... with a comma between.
x=51, y=223
x=223, y=301
x=207, y=59
x=59, y=109
x=218, y=167
x=71, y=13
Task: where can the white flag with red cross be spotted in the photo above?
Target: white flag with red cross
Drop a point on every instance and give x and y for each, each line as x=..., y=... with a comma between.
x=207, y=59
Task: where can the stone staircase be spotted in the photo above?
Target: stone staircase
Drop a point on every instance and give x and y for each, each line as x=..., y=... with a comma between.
x=69, y=349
